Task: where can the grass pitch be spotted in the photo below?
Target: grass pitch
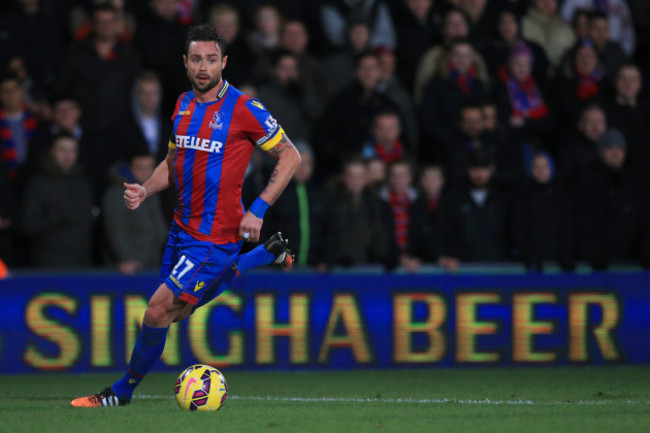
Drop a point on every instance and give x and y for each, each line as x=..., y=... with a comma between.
x=607, y=399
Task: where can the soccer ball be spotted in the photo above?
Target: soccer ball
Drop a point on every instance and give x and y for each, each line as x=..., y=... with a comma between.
x=201, y=387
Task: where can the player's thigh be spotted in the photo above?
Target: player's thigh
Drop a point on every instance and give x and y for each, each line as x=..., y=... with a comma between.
x=164, y=308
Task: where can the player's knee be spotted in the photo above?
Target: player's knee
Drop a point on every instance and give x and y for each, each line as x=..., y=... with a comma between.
x=158, y=316
x=183, y=314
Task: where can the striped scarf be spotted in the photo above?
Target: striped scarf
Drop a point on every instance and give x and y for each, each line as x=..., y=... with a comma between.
x=525, y=99
x=588, y=84
x=388, y=156
x=8, y=151
x=464, y=81
x=185, y=10
x=400, y=204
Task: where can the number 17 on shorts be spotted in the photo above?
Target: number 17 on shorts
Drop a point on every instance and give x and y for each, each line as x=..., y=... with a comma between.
x=186, y=277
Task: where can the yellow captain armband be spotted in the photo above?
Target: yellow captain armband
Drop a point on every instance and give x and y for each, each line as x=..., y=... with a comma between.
x=172, y=145
x=271, y=142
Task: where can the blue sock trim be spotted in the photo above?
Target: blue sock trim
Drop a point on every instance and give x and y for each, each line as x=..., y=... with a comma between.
x=259, y=207
x=148, y=348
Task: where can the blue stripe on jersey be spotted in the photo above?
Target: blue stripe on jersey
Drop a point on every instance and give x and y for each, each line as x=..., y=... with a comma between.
x=188, y=163
x=185, y=102
x=215, y=164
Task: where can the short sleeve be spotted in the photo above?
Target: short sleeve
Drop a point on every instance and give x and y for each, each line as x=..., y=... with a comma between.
x=260, y=126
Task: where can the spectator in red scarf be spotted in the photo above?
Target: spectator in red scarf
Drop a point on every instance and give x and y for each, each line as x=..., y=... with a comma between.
x=522, y=102
x=431, y=183
x=579, y=82
x=455, y=26
x=404, y=214
x=385, y=141
x=17, y=125
x=456, y=84
x=497, y=51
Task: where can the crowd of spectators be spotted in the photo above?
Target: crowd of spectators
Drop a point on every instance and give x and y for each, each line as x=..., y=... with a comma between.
x=431, y=131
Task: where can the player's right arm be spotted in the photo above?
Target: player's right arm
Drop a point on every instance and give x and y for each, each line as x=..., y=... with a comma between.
x=135, y=194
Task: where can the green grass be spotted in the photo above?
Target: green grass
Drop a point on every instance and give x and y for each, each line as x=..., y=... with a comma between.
x=612, y=399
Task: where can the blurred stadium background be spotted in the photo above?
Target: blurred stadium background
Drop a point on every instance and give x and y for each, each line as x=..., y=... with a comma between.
x=471, y=221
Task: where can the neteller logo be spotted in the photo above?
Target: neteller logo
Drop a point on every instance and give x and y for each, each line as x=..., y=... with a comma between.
x=196, y=143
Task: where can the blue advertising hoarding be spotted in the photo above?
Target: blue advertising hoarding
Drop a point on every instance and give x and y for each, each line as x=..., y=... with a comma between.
x=271, y=320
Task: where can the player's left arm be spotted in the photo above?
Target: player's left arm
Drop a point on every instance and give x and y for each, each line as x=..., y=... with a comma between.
x=288, y=161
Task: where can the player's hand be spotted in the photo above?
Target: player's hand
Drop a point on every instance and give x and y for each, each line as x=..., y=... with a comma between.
x=450, y=264
x=411, y=264
x=5, y=223
x=130, y=267
x=134, y=194
x=250, y=227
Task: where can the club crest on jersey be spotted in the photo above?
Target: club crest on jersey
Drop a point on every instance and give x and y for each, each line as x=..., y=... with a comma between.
x=216, y=121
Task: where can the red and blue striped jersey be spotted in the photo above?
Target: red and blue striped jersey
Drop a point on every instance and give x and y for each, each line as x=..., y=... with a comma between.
x=214, y=142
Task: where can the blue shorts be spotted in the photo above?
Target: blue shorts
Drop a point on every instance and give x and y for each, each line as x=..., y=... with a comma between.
x=195, y=270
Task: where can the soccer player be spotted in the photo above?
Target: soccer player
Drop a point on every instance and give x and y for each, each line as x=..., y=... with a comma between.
x=216, y=128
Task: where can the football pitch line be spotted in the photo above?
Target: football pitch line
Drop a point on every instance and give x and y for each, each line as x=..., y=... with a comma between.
x=431, y=401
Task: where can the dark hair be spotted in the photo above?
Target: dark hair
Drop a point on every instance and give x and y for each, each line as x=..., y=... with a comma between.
x=577, y=14
x=148, y=75
x=204, y=32
x=480, y=158
x=9, y=76
x=104, y=6
x=469, y=105
x=362, y=55
x=454, y=10
x=278, y=54
x=458, y=41
x=487, y=102
x=386, y=112
x=429, y=166
x=597, y=15
x=628, y=65
x=592, y=107
x=62, y=136
x=63, y=97
x=401, y=161
x=355, y=160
